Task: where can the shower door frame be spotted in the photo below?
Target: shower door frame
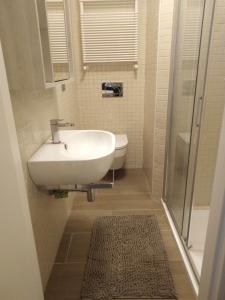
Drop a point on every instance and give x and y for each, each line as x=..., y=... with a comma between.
x=205, y=38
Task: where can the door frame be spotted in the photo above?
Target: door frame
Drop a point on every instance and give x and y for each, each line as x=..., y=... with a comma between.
x=206, y=35
x=208, y=12
x=211, y=284
x=170, y=95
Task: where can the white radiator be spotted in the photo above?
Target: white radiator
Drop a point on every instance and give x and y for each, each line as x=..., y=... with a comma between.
x=109, y=31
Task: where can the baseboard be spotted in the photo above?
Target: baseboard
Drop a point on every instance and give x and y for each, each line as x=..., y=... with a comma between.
x=186, y=261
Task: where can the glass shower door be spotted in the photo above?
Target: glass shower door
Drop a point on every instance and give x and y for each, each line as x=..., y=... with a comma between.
x=185, y=71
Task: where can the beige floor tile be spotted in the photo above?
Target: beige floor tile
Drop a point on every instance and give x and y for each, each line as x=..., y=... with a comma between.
x=79, y=247
x=129, y=196
x=127, y=181
x=181, y=281
x=124, y=189
x=113, y=202
x=63, y=248
x=65, y=282
x=82, y=221
x=170, y=246
x=142, y=196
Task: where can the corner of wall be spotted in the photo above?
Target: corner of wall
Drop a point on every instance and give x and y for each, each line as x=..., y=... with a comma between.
x=162, y=91
x=156, y=95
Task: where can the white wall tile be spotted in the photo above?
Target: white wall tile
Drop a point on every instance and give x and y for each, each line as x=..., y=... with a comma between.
x=156, y=99
x=119, y=115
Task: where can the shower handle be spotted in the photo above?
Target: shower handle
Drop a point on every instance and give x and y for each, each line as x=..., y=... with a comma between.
x=199, y=111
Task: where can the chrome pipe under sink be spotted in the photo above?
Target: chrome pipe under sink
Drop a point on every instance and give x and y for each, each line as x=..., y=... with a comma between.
x=90, y=189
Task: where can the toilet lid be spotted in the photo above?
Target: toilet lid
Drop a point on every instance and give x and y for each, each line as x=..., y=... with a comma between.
x=121, y=141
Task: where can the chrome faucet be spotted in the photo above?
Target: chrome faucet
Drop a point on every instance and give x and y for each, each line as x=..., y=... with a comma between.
x=55, y=124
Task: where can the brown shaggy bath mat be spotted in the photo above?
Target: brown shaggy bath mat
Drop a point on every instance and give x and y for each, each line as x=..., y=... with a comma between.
x=127, y=260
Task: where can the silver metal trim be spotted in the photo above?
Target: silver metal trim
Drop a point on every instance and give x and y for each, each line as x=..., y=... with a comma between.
x=55, y=124
x=199, y=111
x=170, y=96
x=207, y=24
x=87, y=188
x=184, y=244
x=209, y=7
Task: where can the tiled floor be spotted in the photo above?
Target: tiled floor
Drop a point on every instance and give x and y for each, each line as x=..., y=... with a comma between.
x=128, y=196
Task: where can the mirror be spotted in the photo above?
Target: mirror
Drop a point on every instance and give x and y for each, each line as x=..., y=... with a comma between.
x=59, y=38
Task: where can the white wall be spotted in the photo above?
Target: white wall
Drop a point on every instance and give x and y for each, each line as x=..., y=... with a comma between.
x=20, y=276
x=162, y=89
x=150, y=86
x=159, y=40
x=33, y=110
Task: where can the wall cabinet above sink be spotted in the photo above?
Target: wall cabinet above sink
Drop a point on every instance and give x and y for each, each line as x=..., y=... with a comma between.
x=37, y=42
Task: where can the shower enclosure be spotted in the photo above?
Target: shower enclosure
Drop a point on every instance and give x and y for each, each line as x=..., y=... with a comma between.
x=191, y=40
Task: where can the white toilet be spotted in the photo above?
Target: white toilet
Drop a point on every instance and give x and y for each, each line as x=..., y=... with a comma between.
x=120, y=152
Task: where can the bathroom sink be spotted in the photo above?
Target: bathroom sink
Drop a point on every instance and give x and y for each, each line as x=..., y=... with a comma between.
x=82, y=157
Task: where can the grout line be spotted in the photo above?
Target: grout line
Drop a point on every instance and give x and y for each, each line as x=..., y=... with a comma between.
x=68, y=249
x=137, y=210
x=70, y=263
x=80, y=232
x=81, y=211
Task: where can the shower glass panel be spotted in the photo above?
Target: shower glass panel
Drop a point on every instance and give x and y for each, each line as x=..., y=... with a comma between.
x=186, y=58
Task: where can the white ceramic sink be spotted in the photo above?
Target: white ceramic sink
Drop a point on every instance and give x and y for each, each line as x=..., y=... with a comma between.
x=82, y=157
